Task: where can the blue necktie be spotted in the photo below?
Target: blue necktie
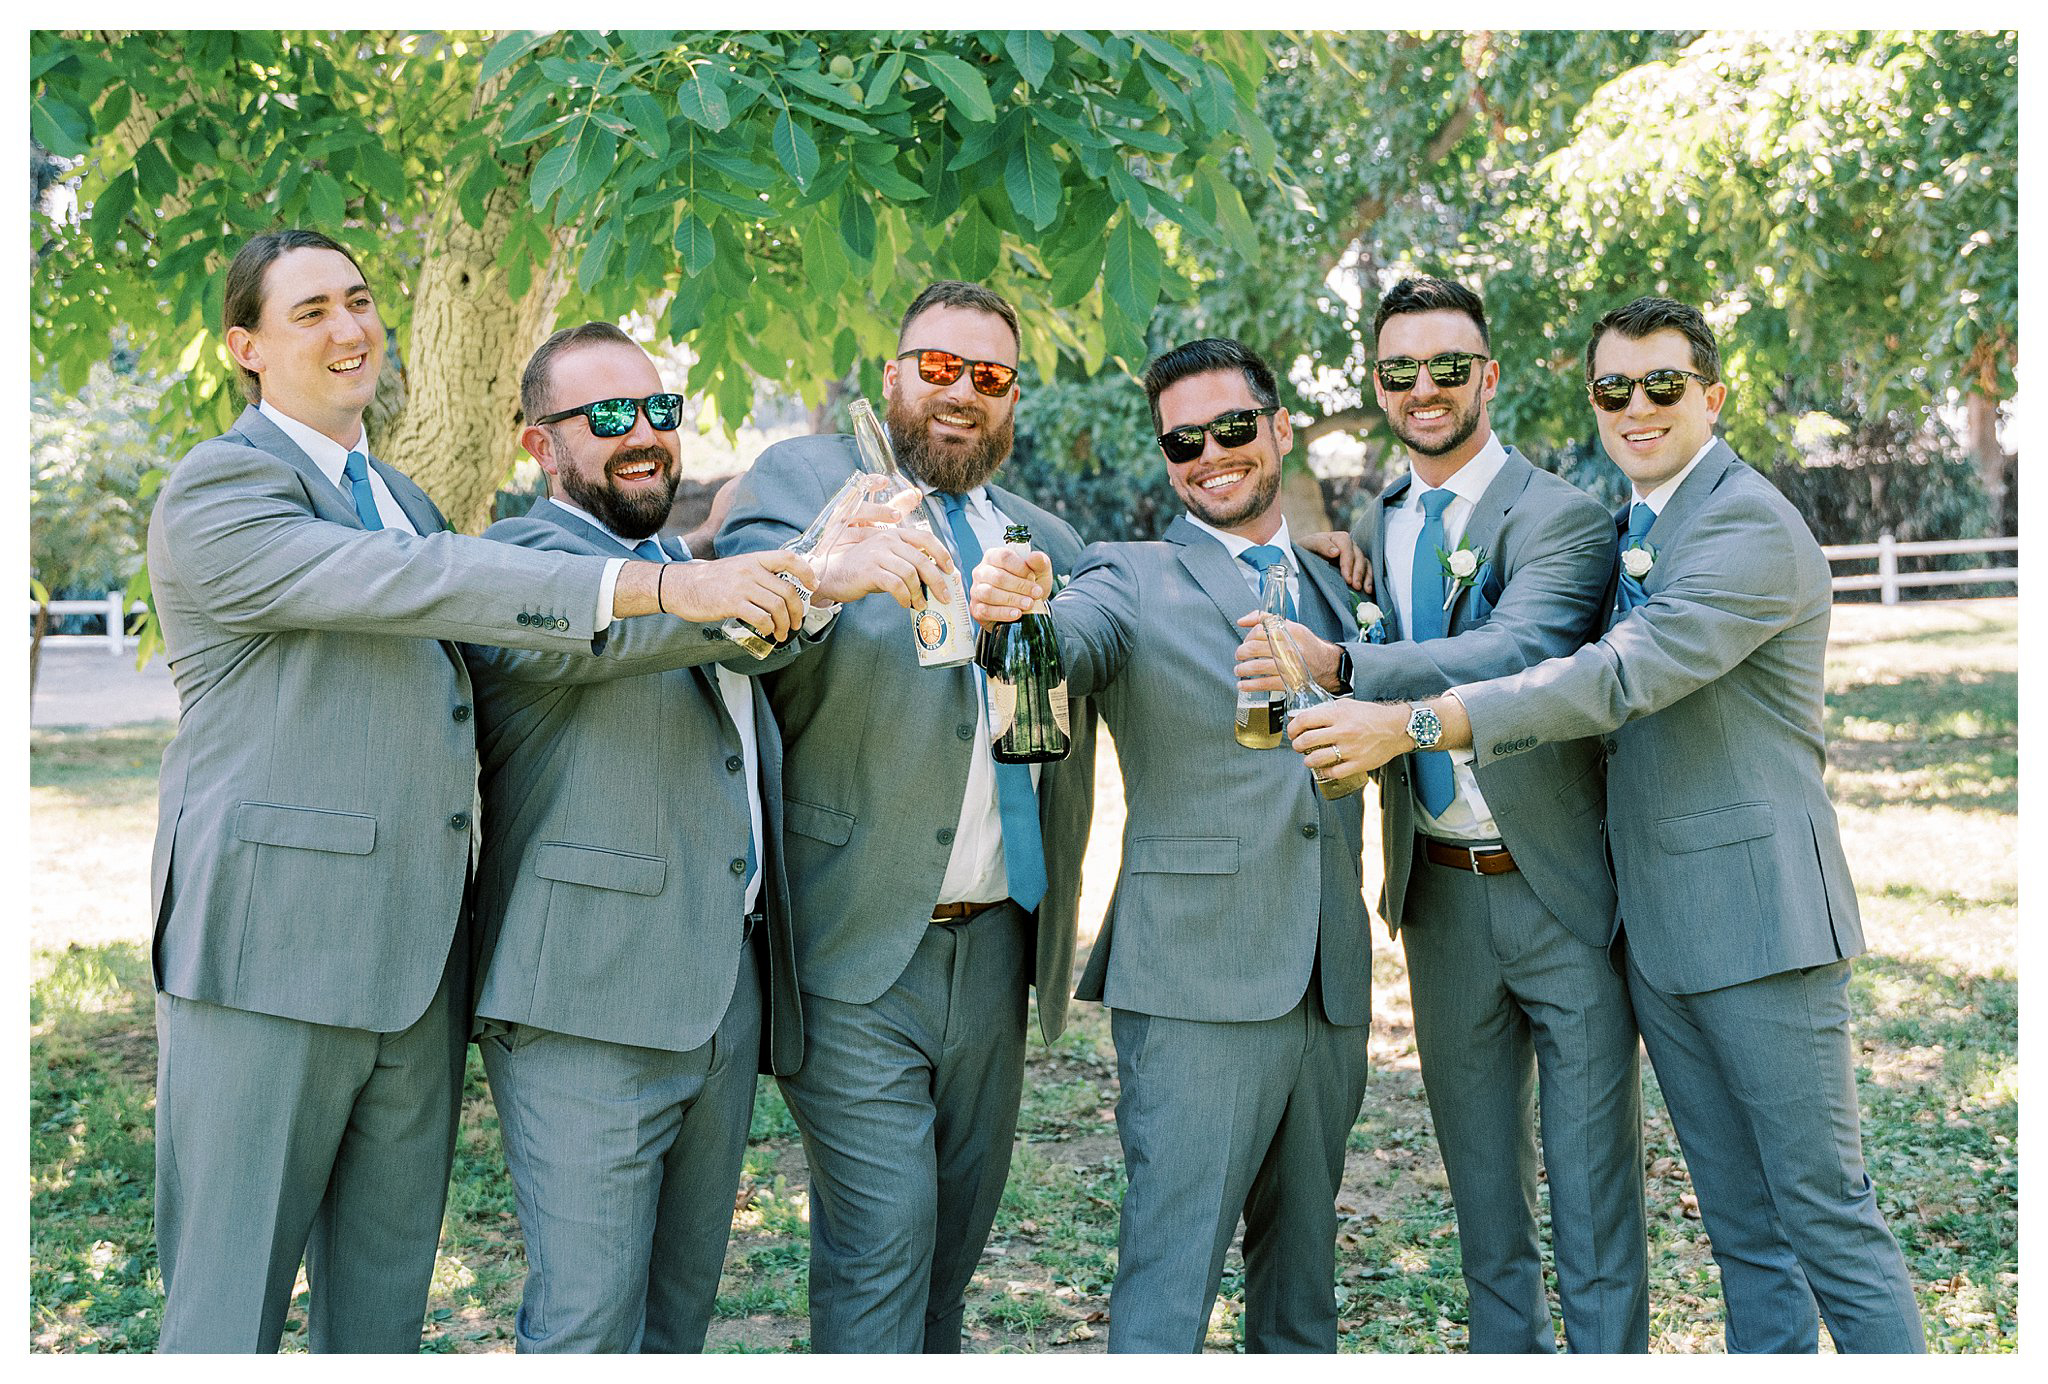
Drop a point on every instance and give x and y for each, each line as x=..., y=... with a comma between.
x=1630, y=594
x=1016, y=799
x=1433, y=777
x=1264, y=555
x=651, y=549
x=357, y=469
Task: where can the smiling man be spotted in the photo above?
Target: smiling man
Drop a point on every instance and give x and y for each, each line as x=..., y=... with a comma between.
x=1738, y=917
x=1236, y=957
x=314, y=821
x=930, y=887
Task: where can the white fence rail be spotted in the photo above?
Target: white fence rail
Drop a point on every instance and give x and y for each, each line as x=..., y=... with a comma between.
x=109, y=608
x=1888, y=580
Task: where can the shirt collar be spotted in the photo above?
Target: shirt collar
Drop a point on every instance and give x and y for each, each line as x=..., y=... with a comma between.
x=631, y=544
x=977, y=499
x=1235, y=544
x=1661, y=496
x=324, y=452
x=1469, y=481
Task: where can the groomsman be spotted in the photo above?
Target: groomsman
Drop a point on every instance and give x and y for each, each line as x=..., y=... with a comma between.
x=1236, y=955
x=631, y=897
x=1737, y=910
x=1496, y=873
x=930, y=887
x=313, y=826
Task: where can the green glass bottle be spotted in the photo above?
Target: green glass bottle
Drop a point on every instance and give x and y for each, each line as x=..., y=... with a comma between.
x=1028, y=718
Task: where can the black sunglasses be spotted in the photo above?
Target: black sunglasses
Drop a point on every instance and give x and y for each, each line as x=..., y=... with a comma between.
x=1232, y=429
x=990, y=377
x=1663, y=387
x=614, y=417
x=1450, y=369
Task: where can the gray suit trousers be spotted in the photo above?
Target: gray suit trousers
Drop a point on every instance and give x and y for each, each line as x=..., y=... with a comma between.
x=624, y=1161
x=1504, y=994
x=1761, y=1084
x=277, y=1139
x=908, y=1106
x=1223, y=1119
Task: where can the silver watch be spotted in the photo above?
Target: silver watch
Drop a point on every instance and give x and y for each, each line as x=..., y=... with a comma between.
x=1423, y=726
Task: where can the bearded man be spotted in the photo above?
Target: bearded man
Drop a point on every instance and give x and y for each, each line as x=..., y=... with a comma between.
x=929, y=886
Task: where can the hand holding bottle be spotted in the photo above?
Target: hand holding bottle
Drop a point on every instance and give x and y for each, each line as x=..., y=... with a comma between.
x=899, y=563
x=1007, y=584
x=1258, y=672
x=748, y=588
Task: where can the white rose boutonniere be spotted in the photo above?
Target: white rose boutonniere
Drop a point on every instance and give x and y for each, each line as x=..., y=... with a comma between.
x=1637, y=559
x=1461, y=566
x=1372, y=623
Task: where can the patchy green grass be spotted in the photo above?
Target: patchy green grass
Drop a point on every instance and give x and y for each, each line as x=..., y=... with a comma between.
x=1923, y=724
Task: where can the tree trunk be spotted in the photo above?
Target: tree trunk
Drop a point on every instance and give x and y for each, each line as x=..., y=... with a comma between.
x=1985, y=451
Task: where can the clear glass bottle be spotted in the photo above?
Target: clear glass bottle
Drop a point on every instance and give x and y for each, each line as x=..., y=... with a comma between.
x=1028, y=718
x=812, y=545
x=1302, y=693
x=942, y=631
x=1261, y=716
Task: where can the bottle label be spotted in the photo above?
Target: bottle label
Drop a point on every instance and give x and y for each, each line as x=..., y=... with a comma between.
x=1002, y=708
x=943, y=633
x=1056, y=697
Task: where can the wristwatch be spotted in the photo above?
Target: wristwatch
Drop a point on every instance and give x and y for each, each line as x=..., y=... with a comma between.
x=1423, y=726
x=1343, y=669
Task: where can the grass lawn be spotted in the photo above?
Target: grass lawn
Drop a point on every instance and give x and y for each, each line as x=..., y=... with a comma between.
x=1923, y=720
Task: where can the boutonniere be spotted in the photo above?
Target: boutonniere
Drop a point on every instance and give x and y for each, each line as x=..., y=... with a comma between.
x=1372, y=623
x=1060, y=580
x=1461, y=568
x=1638, y=558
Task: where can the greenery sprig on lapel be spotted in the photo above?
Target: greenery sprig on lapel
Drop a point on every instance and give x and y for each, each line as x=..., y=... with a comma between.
x=1461, y=567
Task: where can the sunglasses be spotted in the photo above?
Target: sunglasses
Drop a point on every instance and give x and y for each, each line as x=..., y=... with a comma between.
x=1662, y=387
x=990, y=377
x=1450, y=369
x=614, y=417
x=1231, y=430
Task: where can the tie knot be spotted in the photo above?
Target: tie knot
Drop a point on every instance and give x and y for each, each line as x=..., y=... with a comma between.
x=650, y=548
x=1435, y=502
x=952, y=501
x=1263, y=555
x=1640, y=518
x=357, y=467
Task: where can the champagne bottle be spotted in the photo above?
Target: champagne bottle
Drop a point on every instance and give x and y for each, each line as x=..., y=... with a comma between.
x=942, y=632
x=1262, y=715
x=812, y=545
x=1028, y=718
x=1302, y=693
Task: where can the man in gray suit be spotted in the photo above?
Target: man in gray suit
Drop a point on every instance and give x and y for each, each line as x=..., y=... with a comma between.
x=1736, y=904
x=314, y=833
x=1235, y=956
x=630, y=895
x=929, y=886
x=1496, y=874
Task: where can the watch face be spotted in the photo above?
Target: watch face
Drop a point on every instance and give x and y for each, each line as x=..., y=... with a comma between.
x=1424, y=728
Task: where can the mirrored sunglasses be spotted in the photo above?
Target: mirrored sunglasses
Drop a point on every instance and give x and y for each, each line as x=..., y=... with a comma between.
x=1663, y=387
x=614, y=417
x=1231, y=430
x=990, y=377
x=1450, y=369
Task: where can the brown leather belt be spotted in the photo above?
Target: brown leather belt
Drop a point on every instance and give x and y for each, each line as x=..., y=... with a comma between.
x=954, y=914
x=1493, y=861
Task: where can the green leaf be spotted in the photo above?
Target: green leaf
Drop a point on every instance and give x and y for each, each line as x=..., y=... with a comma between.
x=1031, y=50
x=325, y=205
x=976, y=246
x=963, y=86
x=1129, y=190
x=486, y=178
x=1130, y=271
x=650, y=122
x=381, y=172
x=1151, y=141
x=597, y=255
x=857, y=226
x=695, y=243
x=1074, y=273
x=153, y=173
x=876, y=165
x=703, y=99
x=824, y=261
x=795, y=150
x=1180, y=62
x=552, y=172
x=1032, y=178
x=57, y=125
x=510, y=49
x=1231, y=216
x=110, y=209
x=884, y=81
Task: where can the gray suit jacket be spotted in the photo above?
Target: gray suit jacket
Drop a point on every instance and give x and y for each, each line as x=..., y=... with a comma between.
x=1237, y=875
x=1727, y=858
x=876, y=755
x=313, y=828
x=1543, y=592
x=614, y=806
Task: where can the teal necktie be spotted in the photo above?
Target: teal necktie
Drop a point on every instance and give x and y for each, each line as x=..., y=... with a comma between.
x=1016, y=799
x=1264, y=555
x=357, y=469
x=1630, y=594
x=1433, y=778
x=651, y=550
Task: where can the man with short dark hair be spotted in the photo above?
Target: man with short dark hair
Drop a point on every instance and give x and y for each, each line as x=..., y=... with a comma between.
x=1236, y=957
x=1737, y=912
x=314, y=826
x=930, y=887
x=631, y=900
x=1496, y=873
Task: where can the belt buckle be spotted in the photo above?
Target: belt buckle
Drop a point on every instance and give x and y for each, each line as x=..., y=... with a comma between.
x=1472, y=859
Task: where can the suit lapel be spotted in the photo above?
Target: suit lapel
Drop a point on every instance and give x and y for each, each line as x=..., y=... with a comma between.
x=1382, y=584
x=1482, y=530
x=420, y=511
x=1213, y=569
x=1336, y=601
x=327, y=499
x=1692, y=492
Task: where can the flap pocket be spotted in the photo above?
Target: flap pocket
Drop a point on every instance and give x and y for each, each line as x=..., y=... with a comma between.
x=600, y=868
x=819, y=823
x=1723, y=826
x=306, y=828
x=1182, y=855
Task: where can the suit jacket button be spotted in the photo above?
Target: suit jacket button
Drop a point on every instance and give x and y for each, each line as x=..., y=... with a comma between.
x=945, y=836
x=739, y=865
x=733, y=763
x=524, y=618
x=561, y=624
x=1309, y=830
x=965, y=730
x=460, y=821
x=461, y=713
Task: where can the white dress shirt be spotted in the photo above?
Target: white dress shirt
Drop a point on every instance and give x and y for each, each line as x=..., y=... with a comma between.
x=737, y=692
x=1661, y=496
x=1235, y=545
x=1467, y=818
